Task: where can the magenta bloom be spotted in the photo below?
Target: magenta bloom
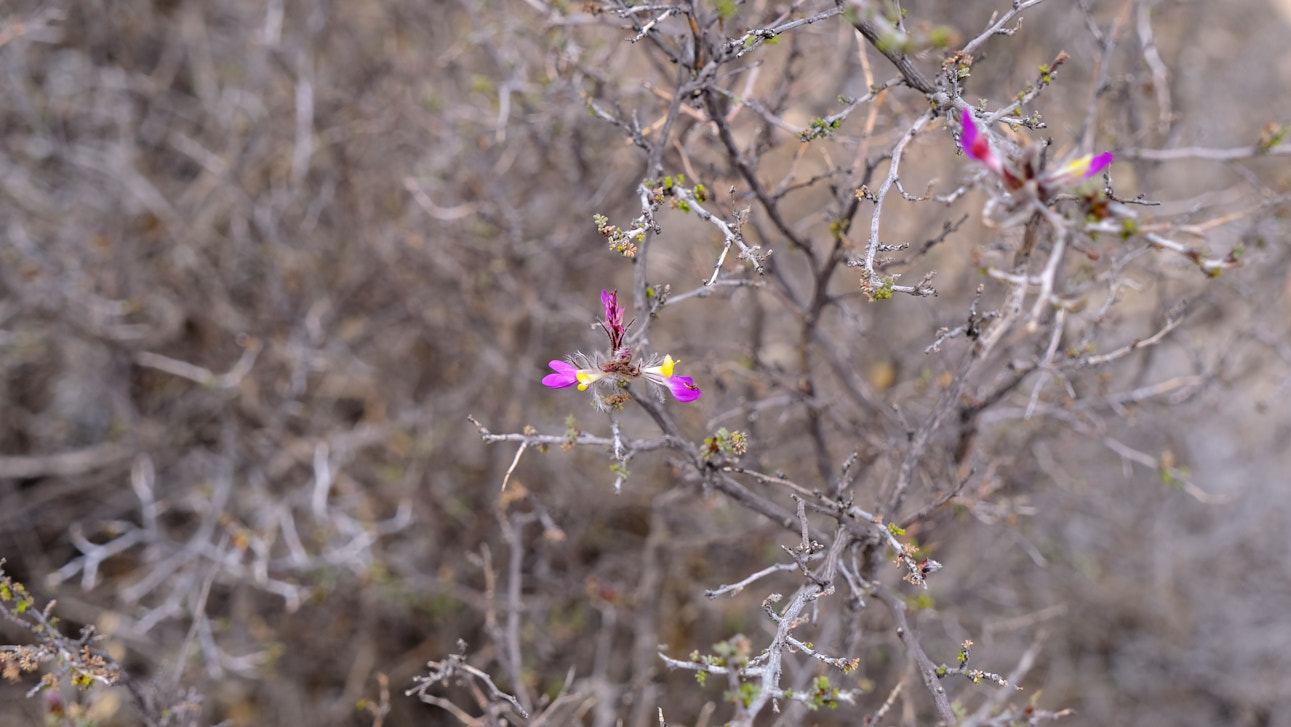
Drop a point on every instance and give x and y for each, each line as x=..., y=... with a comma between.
x=1019, y=173
x=977, y=146
x=683, y=388
x=566, y=375
x=1081, y=168
x=1100, y=163
x=619, y=367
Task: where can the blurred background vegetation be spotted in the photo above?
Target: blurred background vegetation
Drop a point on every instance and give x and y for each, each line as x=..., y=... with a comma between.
x=260, y=261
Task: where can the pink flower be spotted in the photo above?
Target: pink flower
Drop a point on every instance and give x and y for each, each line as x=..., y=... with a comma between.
x=978, y=147
x=1018, y=173
x=1080, y=168
x=618, y=368
x=566, y=375
x=683, y=388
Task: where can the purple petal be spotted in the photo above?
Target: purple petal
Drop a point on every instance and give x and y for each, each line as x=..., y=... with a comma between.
x=969, y=137
x=1098, y=164
x=977, y=146
x=566, y=375
x=683, y=388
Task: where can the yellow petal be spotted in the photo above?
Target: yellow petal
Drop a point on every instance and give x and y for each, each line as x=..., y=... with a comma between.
x=1078, y=167
x=666, y=368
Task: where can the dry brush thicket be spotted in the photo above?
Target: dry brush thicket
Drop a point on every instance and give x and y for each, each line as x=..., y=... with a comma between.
x=978, y=443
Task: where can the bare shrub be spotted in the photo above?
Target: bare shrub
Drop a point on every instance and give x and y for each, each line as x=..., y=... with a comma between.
x=909, y=364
